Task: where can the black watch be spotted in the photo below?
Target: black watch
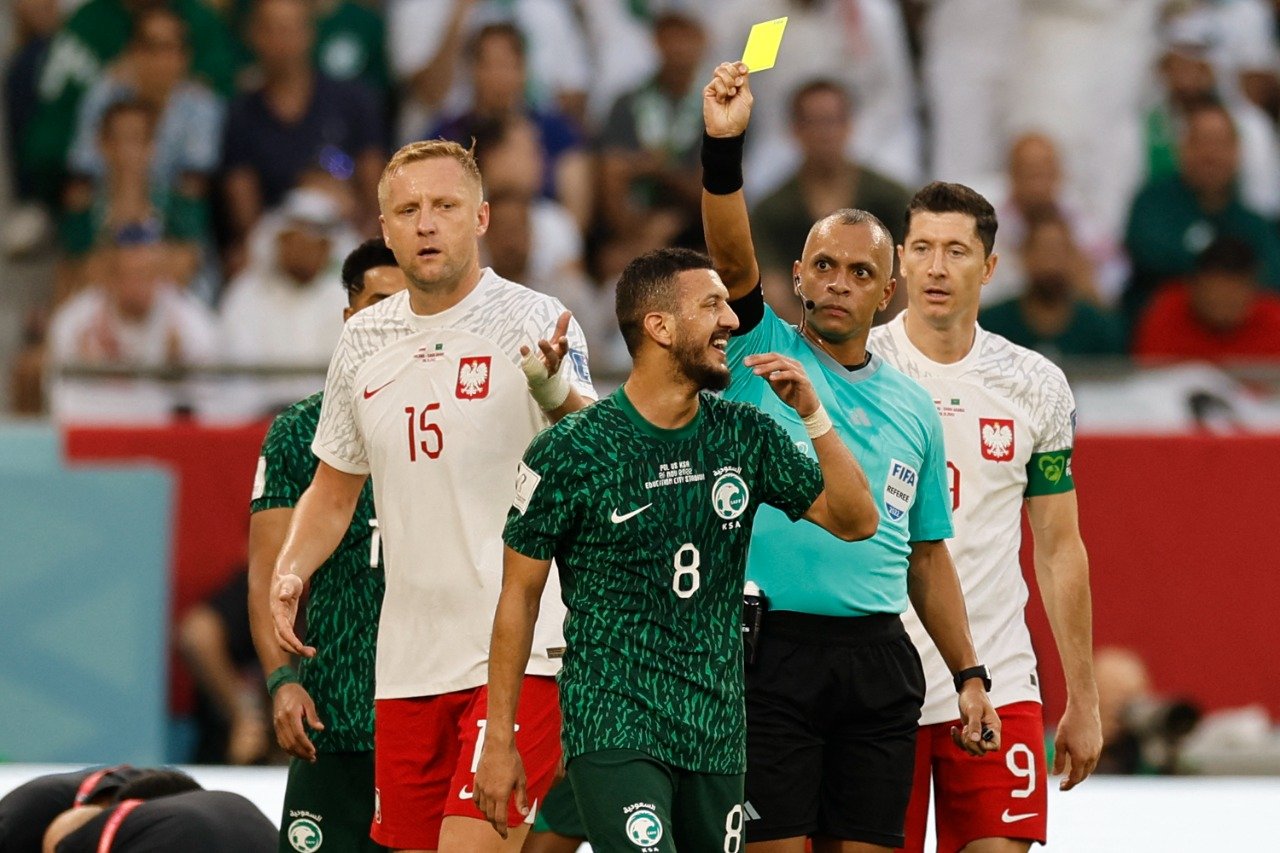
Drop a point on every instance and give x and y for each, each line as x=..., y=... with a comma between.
x=979, y=671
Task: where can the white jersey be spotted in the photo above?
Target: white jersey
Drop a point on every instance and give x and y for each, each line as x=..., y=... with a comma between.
x=1008, y=420
x=437, y=410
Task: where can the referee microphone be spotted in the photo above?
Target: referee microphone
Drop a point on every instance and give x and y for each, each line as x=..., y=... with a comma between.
x=808, y=303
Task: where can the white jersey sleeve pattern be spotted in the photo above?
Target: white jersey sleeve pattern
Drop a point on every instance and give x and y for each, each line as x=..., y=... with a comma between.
x=338, y=440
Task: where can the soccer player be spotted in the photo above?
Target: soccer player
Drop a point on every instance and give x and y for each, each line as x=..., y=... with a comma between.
x=330, y=787
x=646, y=500
x=435, y=393
x=833, y=701
x=195, y=821
x=1009, y=421
x=557, y=827
x=27, y=810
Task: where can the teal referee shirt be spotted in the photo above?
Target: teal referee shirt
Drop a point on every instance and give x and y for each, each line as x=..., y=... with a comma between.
x=890, y=424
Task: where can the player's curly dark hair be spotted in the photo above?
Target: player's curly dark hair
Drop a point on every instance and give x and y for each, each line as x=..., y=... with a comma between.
x=647, y=284
x=370, y=254
x=943, y=197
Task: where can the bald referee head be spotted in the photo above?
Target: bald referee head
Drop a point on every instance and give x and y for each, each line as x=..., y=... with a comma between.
x=844, y=274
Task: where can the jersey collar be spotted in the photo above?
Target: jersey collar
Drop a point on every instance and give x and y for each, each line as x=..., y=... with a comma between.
x=898, y=328
x=447, y=317
x=838, y=370
x=653, y=431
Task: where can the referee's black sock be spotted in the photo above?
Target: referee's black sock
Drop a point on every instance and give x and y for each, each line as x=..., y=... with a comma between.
x=722, y=163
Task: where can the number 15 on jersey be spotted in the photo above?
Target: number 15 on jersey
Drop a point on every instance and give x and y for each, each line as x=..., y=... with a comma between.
x=424, y=434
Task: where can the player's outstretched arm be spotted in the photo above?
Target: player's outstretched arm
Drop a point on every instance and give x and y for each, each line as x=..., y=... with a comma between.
x=291, y=705
x=936, y=596
x=726, y=111
x=500, y=772
x=321, y=519
x=845, y=507
x=1062, y=573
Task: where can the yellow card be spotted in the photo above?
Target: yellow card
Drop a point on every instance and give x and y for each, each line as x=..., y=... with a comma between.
x=763, y=43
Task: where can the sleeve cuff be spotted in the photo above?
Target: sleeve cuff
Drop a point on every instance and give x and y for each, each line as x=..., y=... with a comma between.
x=261, y=504
x=346, y=466
x=533, y=552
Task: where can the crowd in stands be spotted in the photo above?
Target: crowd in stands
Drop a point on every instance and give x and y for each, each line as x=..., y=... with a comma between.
x=204, y=165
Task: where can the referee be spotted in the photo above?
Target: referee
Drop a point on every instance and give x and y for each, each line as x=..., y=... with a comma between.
x=834, y=697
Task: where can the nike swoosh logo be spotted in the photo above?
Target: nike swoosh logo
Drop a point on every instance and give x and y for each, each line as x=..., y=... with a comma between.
x=618, y=519
x=368, y=393
x=1014, y=818
x=466, y=793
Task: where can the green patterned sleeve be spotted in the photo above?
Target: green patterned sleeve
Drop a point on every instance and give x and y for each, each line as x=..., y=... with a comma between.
x=787, y=478
x=286, y=465
x=543, y=509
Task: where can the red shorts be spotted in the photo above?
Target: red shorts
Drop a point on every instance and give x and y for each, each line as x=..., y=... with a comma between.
x=426, y=750
x=1000, y=795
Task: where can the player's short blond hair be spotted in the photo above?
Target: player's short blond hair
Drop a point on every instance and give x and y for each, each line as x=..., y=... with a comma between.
x=429, y=149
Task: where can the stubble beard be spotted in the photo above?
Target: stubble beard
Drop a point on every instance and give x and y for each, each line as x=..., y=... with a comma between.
x=448, y=278
x=694, y=366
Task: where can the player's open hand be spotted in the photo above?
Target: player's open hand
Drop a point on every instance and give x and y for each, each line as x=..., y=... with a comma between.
x=291, y=707
x=1077, y=746
x=726, y=101
x=286, y=590
x=499, y=774
x=979, y=718
x=538, y=366
x=787, y=379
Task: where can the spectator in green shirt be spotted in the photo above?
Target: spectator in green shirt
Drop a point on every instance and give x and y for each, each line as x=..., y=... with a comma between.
x=350, y=40
x=822, y=119
x=1174, y=218
x=1051, y=316
x=87, y=43
x=649, y=144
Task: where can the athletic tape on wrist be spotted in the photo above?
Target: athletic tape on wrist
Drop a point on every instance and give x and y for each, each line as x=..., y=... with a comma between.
x=817, y=424
x=284, y=675
x=722, y=163
x=549, y=392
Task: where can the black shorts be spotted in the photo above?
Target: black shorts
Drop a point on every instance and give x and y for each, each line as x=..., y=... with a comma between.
x=833, y=705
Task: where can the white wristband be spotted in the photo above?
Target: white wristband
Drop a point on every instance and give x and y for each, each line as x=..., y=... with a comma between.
x=817, y=424
x=549, y=392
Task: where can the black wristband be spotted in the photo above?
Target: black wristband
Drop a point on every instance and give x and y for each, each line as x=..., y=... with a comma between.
x=722, y=163
x=979, y=671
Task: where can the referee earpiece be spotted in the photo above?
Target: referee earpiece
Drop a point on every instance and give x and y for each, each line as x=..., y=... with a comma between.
x=808, y=303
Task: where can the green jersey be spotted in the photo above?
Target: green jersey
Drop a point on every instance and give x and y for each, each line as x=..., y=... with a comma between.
x=346, y=592
x=649, y=528
x=94, y=36
x=350, y=42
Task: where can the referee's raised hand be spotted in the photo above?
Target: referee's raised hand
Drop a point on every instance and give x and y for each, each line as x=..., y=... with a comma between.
x=726, y=101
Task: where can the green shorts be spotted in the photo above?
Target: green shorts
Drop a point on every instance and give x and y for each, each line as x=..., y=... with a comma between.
x=558, y=812
x=632, y=803
x=329, y=805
